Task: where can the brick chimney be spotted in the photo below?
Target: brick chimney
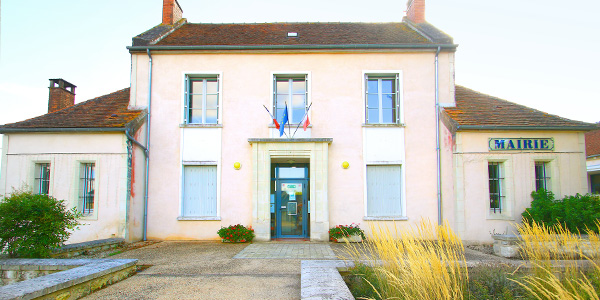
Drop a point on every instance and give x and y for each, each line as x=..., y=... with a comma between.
x=416, y=10
x=171, y=12
x=62, y=95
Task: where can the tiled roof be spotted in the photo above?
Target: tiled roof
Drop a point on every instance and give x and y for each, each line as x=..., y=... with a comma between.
x=108, y=111
x=400, y=33
x=592, y=143
x=475, y=110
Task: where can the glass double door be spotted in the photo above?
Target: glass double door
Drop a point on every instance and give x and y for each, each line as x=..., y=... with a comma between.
x=291, y=208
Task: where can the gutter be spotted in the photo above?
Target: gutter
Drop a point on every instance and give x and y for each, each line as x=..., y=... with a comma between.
x=538, y=128
x=54, y=129
x=593, y=156
x=437, y=137
x=296, y=47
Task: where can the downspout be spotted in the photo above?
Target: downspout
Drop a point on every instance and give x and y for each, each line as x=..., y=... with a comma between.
x=437, y=137
x=145, y=225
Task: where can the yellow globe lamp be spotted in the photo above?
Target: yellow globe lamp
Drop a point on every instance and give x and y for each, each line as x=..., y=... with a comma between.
x=237, y=165
x=345, y=165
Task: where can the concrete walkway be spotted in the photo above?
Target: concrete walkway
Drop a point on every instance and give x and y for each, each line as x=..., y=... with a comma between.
x=208, y=270
x=215, y=270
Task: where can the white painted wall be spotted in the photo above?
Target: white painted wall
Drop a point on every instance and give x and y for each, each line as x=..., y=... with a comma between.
x=65, y=152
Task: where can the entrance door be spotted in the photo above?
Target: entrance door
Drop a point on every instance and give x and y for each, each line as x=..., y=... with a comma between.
x=292, y=208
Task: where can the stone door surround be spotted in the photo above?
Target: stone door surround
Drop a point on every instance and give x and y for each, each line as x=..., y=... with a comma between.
x=316, y=150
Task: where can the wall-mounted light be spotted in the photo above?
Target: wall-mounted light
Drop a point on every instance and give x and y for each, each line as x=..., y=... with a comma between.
x=345, y=165
x=237, y=165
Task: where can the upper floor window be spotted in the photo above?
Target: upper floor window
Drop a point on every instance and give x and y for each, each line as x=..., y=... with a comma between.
x=542, y=176
x=202, y=100
x=292, y=90
x=86, y=188
x=496, y=186
x=41, y=183
x=381, y=99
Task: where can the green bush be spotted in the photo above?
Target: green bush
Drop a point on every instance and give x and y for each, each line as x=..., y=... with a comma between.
x=33, y=225
x=236, y=233
x=577, y=213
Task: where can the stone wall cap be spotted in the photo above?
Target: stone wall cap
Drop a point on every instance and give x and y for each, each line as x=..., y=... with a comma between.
x=506, y=237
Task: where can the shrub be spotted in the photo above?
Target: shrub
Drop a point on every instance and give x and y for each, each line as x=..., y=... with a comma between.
x=341, y=231
x=33, y=225
x=236, y=233
x=576, y=213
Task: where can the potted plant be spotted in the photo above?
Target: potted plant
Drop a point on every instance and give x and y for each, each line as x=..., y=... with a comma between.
x=350, y=233
x=236, y=234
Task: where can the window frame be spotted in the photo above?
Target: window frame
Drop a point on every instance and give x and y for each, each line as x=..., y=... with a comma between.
x=402, y=216
x=82, y=200
x=274, y=93
x=182, y=213
x=189, y=78
x=38, y=178
x=398, y=96
x=545, y=179
x=500, y=186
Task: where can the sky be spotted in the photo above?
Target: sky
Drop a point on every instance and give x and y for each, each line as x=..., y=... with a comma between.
x=539, y=53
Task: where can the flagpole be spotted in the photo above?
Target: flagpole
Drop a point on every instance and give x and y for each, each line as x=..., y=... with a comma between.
x=290, y=127
x=272, y=117
x=305, y=114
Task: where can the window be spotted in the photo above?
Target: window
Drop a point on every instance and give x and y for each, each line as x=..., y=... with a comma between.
x=542, y=176
x=41, y=183
x=384, y=193
x=86, y=188
x=199, y=191
x=202, y=100
x=293, y=91
x=381, y=99
x=496, y=181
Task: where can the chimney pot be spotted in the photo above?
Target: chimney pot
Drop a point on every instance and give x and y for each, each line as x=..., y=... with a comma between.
x=62, y=94
x=172, y=12
x=416, y=11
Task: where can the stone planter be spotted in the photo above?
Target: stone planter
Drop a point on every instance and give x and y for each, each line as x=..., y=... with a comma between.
x=351, y=239
x=506, y=245
x=235, y=242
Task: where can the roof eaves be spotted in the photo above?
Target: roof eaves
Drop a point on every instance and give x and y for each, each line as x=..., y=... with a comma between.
x=534, y=128
x=293, y=47
x=86, y=129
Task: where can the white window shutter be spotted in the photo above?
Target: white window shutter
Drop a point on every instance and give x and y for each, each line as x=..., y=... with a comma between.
x=384, y=191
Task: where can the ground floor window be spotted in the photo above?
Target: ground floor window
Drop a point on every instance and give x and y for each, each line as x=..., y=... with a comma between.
x=496, y=182
x=595, y=184
x=41, y=185
x=199, y=191
x=384, y=191
x=542, y=176
x=87, y=177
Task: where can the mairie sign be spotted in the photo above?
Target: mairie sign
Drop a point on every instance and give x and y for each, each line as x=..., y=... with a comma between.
x=542, y=144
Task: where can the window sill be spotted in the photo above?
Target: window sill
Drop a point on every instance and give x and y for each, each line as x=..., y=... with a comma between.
x=384, y=125
x=89, y=218
x=201, y=125
x=505, y=216
x=198, y=218
x=293, y=126
x=385, y=218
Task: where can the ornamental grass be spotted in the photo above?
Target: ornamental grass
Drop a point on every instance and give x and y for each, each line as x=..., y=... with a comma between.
x=424, y=262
